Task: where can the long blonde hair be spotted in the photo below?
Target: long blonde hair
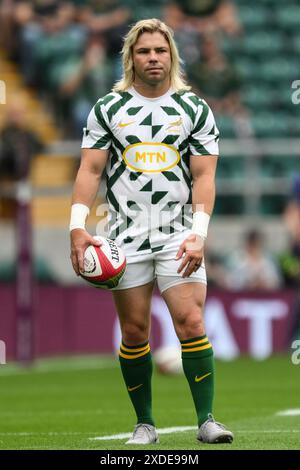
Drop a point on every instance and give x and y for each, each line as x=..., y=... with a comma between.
x=153, y=25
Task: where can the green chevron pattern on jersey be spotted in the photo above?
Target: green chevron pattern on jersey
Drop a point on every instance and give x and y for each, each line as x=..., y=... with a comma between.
x=128, y=240
x=155, y=130
x=134, y=205
x=157, y=196
x=170, y=111
x=145, y=245
x=170, y=176
x=185, y=106
x=101, y=142
x=134, y=175
x=132, y=139
x=125, y=97
x=157, y=248
x=170, y=139
x=147, y=121
x=147, y=187
x=157, y=137
x=134, y=111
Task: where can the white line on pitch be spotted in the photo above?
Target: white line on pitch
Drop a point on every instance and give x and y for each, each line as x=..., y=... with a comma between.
x=267, y=431
x=289, y=412
x=28, y=434
x=126, y=435
x=26, y=414
x=44, y=369
x=189, y=428
x=160, y=431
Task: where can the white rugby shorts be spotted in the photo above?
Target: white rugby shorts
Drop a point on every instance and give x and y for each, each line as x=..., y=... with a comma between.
x=161, y=266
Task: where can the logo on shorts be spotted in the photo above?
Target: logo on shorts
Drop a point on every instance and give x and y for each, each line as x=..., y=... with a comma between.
x=151, y=157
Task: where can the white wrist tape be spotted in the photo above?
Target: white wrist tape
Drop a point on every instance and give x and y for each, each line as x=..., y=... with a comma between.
x=79, y=213
x=200, y=223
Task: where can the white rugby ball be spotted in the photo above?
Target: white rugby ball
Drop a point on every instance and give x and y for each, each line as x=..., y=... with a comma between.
x=168, y=360
x=104, y=265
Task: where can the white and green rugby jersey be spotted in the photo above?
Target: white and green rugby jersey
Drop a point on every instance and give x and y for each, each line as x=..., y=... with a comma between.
x=149, y=185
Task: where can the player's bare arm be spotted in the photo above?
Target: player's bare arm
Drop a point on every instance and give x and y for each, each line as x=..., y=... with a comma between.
x=86, y=186
x=203, y=170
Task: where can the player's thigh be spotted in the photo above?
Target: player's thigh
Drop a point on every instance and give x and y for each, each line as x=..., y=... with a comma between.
x=185, y=302
x=134, y=305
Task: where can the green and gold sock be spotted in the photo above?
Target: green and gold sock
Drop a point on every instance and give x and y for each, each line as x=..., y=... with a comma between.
x=198, y=366
x=136, y=366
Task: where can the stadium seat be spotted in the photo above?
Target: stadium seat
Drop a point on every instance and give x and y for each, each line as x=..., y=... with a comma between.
x=54, y=174
x=286, y=166
x=253, y=17
x=54, y=211
x=231, y=167
x=256, y=97
x=262, y=43
x=288, y=17
x=51, y=210
x=279, y=69
x=296, y=43
x=226, y=126
x=267, y=124
x=233, y=204
x=248, y=68
x=283, y=97
x=272, y=204
x=52, y=171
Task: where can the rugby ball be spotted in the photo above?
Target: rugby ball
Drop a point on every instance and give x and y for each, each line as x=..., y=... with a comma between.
x=104, y=265
x=168, y=360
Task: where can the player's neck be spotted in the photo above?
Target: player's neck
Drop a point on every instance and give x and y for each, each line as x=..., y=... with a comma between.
x=151, y=91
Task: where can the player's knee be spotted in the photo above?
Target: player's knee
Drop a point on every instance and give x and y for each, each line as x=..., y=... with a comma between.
x=191, y=324
x=134, y=333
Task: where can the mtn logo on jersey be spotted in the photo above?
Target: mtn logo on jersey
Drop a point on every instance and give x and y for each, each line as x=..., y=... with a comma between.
x=151, y=157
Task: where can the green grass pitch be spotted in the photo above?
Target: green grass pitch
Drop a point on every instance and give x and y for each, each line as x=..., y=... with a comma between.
x=63, y=403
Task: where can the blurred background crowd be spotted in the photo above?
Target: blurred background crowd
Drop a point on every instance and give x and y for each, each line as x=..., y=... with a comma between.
x=70, y=51
x=58, y=57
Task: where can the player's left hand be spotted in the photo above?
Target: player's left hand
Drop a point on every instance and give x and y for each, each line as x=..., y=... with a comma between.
x=193, y=250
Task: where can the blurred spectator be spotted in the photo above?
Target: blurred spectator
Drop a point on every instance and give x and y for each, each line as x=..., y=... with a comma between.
x=84, y=80
x=216, y=270
x=187, y=36
x=9, y=26
x=53, y=41
x=18, y=144
x=215, y=79
x=50, y=34
x=143, y=9
x=109, y=17
x=211, y=15
x=251, y=268
x=61, y=40
x=290, y=260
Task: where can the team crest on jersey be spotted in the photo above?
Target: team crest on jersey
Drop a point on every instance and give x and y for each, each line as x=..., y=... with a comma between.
x=151, y=157
x=175, y=125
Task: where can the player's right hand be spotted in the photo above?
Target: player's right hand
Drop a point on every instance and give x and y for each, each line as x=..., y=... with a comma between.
x=80, y=240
